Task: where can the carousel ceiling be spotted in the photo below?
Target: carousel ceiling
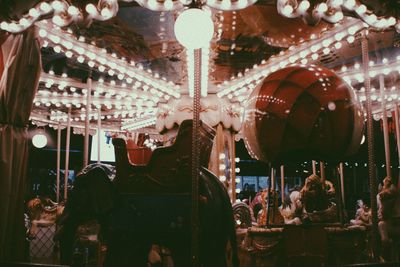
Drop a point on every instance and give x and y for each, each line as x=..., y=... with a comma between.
x=127, y=58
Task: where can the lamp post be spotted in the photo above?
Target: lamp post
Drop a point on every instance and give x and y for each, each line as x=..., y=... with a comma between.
x=194, y=29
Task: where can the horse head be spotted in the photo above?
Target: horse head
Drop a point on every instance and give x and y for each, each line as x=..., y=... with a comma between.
x=42, y=212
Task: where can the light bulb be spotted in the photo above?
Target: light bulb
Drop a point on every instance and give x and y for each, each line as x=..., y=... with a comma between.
x=39, y=140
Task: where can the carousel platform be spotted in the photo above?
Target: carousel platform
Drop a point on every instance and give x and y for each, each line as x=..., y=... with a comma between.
x=26, y=264
x=304, y=245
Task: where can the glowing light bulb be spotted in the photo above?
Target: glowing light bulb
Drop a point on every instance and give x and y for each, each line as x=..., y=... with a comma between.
x=91, y=9
x=39, y=140
x=194, y=28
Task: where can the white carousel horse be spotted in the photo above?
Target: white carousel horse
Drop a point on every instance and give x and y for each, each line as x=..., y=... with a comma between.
x=291, y=211
x=363, y=215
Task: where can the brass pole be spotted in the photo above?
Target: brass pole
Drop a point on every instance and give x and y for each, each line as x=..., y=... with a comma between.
x=282, y=182
x=370, y=143
x=87, y=123
x=322, y=171
x=67, y=155
x=196, y=159
x=233, y=168
x=385, y=125
x=58, y=161
x=314, y=167
x=98, y=135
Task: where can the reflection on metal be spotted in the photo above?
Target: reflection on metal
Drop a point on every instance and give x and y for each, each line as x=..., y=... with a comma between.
x=370, y=143
x=196, y=159
x=385, y=125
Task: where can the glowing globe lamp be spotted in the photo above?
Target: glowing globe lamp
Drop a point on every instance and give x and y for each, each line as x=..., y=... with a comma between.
x=39, y=140
x=194, y=28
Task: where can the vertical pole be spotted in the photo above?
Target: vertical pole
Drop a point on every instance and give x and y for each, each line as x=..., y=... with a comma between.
x=233, y=167
x=269, y=197
x=220, y=142
x=98, y=135
x=341, y=174
x=282, y=182
x=87, y=122
x=396, y=116
x=67, y=155
x=58, y=161
x=370, y=143
x=338, y=196
x=322, y=171
x=314, y=167
x=273, y=182
x=385, y=125
x=196, y=158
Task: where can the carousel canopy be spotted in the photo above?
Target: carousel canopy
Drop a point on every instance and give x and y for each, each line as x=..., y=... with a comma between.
x=120, y=60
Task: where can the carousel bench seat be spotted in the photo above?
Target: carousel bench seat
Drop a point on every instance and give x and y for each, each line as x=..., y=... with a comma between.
x=169, y=168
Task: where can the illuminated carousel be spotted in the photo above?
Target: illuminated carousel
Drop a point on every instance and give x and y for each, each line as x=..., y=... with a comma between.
x=174, y=87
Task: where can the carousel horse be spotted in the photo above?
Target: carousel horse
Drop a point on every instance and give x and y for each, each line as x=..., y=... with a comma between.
x=363, y=215
x=389, y=217
x=292, y=208
x=150, y=204
x=316, y=198
x=42, y=212
x=271, y=213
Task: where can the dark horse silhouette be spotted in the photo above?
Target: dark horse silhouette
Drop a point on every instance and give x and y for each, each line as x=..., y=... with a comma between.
x=150, y=204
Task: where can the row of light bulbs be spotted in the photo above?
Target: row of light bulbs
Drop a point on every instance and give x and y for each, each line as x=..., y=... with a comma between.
x=138, y=124
x=47, y=99
x=390, y=94
x=356, y=74
x=106, y=63
x=100, y=87
x=222, y=168
x=332, y=11
x=63, y=14
x=295, y=54
x=81, y=116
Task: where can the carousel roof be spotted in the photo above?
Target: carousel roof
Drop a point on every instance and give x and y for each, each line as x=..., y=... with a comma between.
x=129, y=60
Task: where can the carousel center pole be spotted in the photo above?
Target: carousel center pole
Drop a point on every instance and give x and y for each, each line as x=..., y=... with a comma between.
x=196, y=158
x=87, y=123
x=385, y=125
x=370, y=143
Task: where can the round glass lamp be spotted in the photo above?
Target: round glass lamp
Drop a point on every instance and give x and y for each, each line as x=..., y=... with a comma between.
x=194, y=28
x=39, y=140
